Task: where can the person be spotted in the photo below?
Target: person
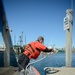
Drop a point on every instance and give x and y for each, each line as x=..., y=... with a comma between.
x=22, y=49
x=32, y=51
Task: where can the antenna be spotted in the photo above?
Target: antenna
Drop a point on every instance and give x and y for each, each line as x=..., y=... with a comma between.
x=22, y=37
x=25, y=39
x=72, y=4
x=14, y=39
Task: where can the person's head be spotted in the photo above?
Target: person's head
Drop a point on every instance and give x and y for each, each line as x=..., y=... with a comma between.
x=40, y=39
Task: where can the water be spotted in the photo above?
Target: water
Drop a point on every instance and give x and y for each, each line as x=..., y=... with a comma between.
x=55, y=60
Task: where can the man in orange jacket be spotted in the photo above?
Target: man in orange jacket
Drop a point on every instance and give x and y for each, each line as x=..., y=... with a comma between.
x=32, y=50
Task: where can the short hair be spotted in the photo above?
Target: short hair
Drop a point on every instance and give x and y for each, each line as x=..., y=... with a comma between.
x=40, y=38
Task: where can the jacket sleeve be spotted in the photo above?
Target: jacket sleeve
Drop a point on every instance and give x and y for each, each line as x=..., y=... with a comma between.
x=42, y=47
x=47, y=50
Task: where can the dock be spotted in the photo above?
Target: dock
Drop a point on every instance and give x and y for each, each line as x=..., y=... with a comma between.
x=62, y=71
x=8, y=70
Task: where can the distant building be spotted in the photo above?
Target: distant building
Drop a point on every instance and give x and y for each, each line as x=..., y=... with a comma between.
x=73, y=49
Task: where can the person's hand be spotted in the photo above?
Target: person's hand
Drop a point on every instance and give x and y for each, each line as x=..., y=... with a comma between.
x=55, y=51
x=51, y=52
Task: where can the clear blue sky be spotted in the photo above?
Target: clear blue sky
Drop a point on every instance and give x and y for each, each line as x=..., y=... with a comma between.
x=38, y=17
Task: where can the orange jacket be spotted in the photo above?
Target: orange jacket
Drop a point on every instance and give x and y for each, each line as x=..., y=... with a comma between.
x=35, y=51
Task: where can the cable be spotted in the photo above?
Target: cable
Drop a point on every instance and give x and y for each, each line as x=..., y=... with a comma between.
x=36, y=61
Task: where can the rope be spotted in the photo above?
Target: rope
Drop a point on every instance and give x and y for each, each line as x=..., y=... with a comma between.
x=36, y=61
x=39, y=59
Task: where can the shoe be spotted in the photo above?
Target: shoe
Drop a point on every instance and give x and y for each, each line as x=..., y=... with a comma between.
x=22, y=70
x=19, y=69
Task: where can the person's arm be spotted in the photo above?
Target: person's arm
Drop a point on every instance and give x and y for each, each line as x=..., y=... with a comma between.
x=48, y=50
x=43, y=47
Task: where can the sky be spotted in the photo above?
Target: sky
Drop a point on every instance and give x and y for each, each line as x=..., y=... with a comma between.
x=39, y=18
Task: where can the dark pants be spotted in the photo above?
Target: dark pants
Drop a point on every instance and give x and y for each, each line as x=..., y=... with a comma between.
x=23, y=61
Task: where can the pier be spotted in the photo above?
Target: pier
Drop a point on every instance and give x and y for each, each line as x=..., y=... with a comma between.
x=63, y=71
x=67, y=70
